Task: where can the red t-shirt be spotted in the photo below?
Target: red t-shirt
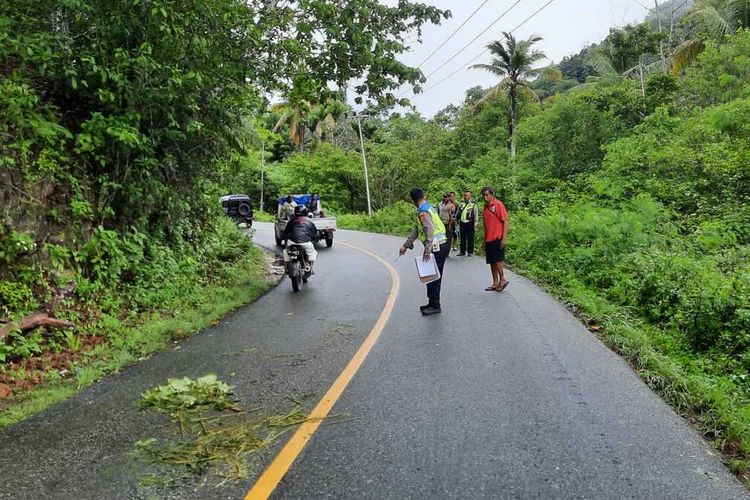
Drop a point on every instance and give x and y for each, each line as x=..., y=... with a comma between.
x=495, y=218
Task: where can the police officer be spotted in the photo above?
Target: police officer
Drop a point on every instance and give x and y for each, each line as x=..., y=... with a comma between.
x=431, y=230
x=467, y=219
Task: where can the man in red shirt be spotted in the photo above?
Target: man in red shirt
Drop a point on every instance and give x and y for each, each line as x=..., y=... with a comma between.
x=495, y=232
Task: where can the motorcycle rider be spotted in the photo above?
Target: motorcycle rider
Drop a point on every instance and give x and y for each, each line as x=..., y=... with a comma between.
x=301, y=231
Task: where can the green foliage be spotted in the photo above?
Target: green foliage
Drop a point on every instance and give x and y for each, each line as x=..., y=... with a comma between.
x=123, y=121
x=680, y=161
x=399, y=157
x=721, y=74
x=102, y=258
x=397, y=219
x=567, y=139
x=625, y=47
x=337, y=176
x=211, y=439
x=576, y=68
x=14, y=296
x=179, y=395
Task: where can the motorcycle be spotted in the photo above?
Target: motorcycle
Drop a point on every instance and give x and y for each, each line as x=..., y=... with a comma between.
x=297, y=267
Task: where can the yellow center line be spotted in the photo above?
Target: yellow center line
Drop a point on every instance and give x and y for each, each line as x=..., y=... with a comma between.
x=291, y=450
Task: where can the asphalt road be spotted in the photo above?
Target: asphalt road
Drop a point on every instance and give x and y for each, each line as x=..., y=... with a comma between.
x=504, y=395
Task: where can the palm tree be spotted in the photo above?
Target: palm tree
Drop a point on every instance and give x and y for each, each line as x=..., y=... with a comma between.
x=295, y=115
x=324, y=118
x=513, y=62
x=303, y=116
x=720, y=18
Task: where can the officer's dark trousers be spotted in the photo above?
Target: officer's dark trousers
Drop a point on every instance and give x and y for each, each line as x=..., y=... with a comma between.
x=433, y=289
x=467, y=237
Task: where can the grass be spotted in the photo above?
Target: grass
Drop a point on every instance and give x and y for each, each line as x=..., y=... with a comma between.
x=213, y=434
x=128, y=344
x=35, y=401
x=263, y=216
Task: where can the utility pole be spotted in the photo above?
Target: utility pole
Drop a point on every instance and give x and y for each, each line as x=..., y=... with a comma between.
x=364, y=162
x=658, y=18
x=262, y=171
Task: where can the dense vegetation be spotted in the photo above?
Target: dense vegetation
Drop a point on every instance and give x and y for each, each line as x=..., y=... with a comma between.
x=629, y=197
x=122, y=122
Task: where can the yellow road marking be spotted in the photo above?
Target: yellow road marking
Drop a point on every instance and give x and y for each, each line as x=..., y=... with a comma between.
x=291, y=450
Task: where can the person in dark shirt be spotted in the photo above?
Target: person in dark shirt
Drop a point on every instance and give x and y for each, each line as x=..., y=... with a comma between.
x=313, y=206
x=301, y=231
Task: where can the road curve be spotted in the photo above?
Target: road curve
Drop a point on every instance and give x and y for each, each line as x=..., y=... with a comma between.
x=504, y=395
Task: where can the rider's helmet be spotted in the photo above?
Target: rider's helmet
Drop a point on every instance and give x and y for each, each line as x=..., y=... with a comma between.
x=300, y=210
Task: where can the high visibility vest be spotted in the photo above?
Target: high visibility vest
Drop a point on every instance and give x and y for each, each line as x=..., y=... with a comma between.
x=440, y=233
x=466, y=210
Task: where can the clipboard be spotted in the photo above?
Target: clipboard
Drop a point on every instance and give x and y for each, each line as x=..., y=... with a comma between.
x=427, y=270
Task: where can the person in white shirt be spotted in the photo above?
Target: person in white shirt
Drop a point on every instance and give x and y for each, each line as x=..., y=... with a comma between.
x=287, y=209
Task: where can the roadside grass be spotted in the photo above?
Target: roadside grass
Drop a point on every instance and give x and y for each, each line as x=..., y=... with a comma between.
x=132, y=340
x=263, y=216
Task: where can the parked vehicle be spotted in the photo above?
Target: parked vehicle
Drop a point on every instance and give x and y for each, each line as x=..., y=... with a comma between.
x=326, y=225
x=297, y=267
x=238, y=207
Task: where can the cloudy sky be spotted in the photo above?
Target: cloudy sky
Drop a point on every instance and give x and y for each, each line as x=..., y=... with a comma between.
x=566, y=26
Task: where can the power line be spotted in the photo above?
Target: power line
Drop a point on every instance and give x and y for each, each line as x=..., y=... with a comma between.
x=474, y=39
x=453, y=34
x=487, y=50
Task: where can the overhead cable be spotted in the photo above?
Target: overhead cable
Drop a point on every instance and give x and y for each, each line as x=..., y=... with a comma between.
x=487, y=50
x=474, y=39
x=453, y=34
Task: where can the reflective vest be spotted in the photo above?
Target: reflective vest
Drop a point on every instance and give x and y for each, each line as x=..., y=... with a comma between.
x=437, y=224
x=467, y=210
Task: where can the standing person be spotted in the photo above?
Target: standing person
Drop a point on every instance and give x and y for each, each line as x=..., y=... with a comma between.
x=432, y=232
x=495, y=233
x=454, y=222
x=447, y=211
x=468, y=218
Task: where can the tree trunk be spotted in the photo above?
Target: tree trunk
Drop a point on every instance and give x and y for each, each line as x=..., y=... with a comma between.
x=512, y=122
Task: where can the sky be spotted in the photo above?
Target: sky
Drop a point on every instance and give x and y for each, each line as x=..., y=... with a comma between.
x=566, y=26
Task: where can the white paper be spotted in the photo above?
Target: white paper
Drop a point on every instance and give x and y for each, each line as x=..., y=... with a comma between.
x=427, y=269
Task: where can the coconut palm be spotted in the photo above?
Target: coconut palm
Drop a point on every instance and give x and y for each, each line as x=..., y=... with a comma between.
x=324, y=118
x=295, y=115
x=719, y=18
x=513, y=62
x=304, y=116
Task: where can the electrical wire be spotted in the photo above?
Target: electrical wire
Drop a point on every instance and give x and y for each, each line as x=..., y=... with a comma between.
x=452, y=34
x=487, y=50
x=474, y=39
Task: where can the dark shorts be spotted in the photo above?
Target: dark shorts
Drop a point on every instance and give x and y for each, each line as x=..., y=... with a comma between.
x=494, y=251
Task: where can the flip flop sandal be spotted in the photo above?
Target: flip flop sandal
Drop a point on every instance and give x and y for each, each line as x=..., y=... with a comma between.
x=490, y=289
x=503, y=287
